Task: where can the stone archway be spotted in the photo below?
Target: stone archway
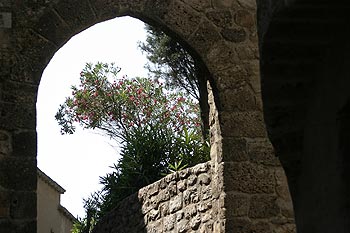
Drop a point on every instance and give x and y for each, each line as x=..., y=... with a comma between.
x=248, y=182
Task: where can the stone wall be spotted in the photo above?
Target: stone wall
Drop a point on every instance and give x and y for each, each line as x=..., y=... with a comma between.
x=180, y=202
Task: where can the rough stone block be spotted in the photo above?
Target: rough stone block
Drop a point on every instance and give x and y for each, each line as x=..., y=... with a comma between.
x=53, y=28
x=235, y=35
x=191, y=180
x=175, y=204
x=18, y=174
x=13, y=116
x=221, y=18
x=241, y=98
x=5, y=143
x=261, y=151
x=286, y=208
x=206, y=193
x=202, y=39
x=204, y=206
x=5, y=201
x=27, y=226
x=207, y=227
x=78, y=14
x=234, y=76
x=237, y=205
x=235, y=149
x=201, y=168
x=240, y=225
x=181, y=185
x=243, y=124
x=261, y=227
x=183, y=19
x=248, y=54
x=244, y=18
x=190, y=196
x=248, y=4
x=263, y=206
x=285, y=228
x=190, y=211
x=5, y=20
x=169, y=223
x=183, y=226
x=282, y=189
x=204, y=179
x=164, y=209
x=195, y=222
x=24, y=144
x=248, y=178
x=23, y=205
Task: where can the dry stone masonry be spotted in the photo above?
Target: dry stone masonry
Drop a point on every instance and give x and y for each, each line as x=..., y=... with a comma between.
x=180, y=202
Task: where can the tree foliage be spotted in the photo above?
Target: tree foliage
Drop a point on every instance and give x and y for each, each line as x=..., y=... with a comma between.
x=158, y=131
x=170, y=61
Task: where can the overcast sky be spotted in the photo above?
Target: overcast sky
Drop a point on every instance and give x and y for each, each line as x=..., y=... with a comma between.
x=76, y=161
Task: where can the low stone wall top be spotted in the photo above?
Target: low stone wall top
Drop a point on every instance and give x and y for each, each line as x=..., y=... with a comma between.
x=180, y=202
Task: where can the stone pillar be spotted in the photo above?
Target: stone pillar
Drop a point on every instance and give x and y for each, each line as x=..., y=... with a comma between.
x=17, y=133
x=253, y=186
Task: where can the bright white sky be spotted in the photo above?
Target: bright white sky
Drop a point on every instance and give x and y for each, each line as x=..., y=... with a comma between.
x=76, y=161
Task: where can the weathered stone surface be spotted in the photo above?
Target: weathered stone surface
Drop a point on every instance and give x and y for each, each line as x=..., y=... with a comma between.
x=263, y=207
x=183, y=17
x=183, y=225
x=169, y=223
x=260, y=151
x=5, y=204
x=286, y=228
x=204, y=179
x=235, y=149
x=220, y=18
x=243, y=124
x=181, y=185
x=191, y=180
x=175, y=204
x=286, y=208
x=12, y=171
x=249, y=178
x=191, y=196
x=203, y=38
x=240, y=99
x=235, y=35
x=249, y=4
x=5, y=143
x=198, y=5
x=24, y=144
x=237, y=205
x=244, y=18
x=282, y=185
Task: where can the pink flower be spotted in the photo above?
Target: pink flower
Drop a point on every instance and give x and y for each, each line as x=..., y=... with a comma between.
x=181, y=99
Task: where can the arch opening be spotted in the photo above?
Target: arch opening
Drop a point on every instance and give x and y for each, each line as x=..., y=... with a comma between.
x=200, y=63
